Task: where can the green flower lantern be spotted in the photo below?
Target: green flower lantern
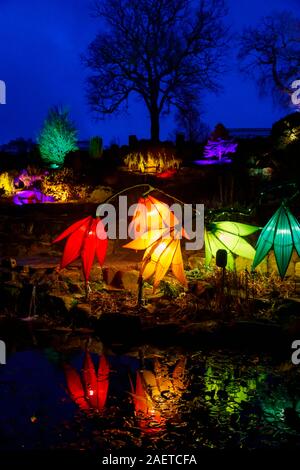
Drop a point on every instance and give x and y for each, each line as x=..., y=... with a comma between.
x=227, y=235
x=282, y=234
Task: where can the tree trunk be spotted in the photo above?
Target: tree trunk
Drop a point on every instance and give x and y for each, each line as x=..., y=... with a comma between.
x=154, y=116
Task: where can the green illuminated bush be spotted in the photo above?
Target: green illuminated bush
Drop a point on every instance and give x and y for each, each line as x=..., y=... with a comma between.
x=57, y=138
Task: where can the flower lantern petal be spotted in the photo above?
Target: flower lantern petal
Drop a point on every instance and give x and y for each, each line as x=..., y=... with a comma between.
x=295, y=229
x=227, y=235
x=138, y=224
x=282, y=233
x=266, y=240
x=214, y=245
x=75, y=387
x=150, y=214
x=74, y=244
x=208, y=248
x=148, y=266
x=74, y=227
x=159, y=214
x=236, y=228
x=235, y=244
x=90, y=379
x=283, y=243
x=102, y=382
x=101, y=242
x=147, y=239
x=177, y=266
x=167, y=249
x=101, y=249
x=89, y=249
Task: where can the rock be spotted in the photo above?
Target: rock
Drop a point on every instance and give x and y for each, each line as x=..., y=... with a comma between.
x=202, y=289
x=287, y=308
x=195, y=262
x=120, y=279
x=57, y=305
x=81, y=315
x=108, y=274
x=127, y=280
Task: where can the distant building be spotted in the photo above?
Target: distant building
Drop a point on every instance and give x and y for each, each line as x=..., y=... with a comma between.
x=249, y=133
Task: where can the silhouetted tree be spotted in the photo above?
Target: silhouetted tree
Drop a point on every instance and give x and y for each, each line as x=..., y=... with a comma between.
x=189, y=119
x=160, y=50
x=270, y=53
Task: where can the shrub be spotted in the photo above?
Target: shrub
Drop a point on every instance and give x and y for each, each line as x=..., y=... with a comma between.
x=57, y=138
x=6, y=184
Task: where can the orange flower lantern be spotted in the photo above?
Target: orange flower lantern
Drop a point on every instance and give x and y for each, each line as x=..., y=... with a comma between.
x=159, y=236
x=150, y=214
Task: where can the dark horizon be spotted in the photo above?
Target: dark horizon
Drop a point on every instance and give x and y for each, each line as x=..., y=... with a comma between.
x=40, y=47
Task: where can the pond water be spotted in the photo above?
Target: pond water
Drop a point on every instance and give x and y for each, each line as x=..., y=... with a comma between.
x=68, y=391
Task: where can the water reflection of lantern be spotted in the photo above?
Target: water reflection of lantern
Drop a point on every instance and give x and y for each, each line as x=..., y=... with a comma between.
x=146, y=412
x=90, y=390
x=157, y=393
x=224, y=392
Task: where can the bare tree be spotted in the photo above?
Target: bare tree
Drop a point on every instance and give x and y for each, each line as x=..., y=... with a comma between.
x=158, y=49
x=189, y=119
x=270, y=53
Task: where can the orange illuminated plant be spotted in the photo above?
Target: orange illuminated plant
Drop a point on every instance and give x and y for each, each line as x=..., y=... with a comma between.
x=90, y=389
x=86, y=239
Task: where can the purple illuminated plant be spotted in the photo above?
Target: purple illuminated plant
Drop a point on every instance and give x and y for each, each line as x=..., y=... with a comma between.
x=219, y=148
x=27, y=179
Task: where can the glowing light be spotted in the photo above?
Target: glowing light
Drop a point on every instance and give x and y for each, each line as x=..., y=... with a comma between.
x=282, y=234
x=227, y=235
x=57, y=138
x=31, y=197
x=90, y=390
x=84, y=241
x=219, y=148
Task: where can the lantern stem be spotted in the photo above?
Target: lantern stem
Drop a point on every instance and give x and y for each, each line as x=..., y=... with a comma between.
x=125, y=190
x=140, y=290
